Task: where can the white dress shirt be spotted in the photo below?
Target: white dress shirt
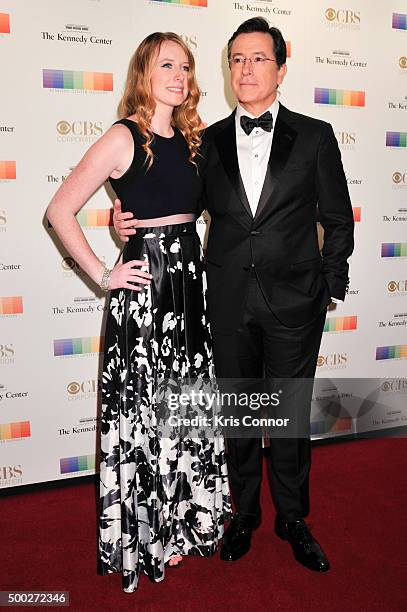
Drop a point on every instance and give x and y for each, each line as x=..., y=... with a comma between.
x=253, y=153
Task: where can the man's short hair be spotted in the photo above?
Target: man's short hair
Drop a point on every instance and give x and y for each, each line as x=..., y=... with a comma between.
x=259, y=24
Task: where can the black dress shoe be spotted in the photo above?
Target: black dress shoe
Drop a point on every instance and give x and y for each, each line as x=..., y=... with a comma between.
x=237, y=538
x=306, y=549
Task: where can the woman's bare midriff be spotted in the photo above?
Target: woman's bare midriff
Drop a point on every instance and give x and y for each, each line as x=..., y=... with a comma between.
x=170, y=220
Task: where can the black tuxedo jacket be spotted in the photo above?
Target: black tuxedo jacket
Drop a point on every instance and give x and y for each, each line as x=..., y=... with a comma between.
x=304, y=182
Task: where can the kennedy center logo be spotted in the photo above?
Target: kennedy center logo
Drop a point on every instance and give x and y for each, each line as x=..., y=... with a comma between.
x=95, y=217
x=69, y=347
x=396, y=139
x=399, y=21
x=76, y=34
x=339, y=97
x=398, y=351
x=341, y=324
x=394, y=249
x=4, y=23
x=193, y=3
x=15, y=431
x=77, y=80
x=83, y=463
x=8, y=170
x=11, y=305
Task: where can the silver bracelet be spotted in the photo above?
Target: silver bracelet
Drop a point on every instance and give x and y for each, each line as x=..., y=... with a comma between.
x=104, y=283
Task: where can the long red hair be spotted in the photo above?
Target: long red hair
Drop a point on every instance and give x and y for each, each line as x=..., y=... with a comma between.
x=138, y=98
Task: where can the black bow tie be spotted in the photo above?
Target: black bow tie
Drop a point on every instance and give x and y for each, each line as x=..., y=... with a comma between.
x=265, y=122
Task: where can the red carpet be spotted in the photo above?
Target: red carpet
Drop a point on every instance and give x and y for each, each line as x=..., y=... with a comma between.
x=359, y=501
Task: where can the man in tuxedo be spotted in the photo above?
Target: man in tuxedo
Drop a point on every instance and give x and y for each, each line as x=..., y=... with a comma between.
x=268, y=172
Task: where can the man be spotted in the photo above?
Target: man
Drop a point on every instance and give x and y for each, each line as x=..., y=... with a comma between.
x=266, y=172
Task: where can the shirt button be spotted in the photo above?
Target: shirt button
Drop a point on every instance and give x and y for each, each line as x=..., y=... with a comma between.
x=256, y=155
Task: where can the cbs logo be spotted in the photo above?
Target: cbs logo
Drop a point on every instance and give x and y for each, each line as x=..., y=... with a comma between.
x=332, y=360
x=403, y=62
x=6, y=350
x=342, y=16
x=190, y=40
x=87, y=386
x=69, y=263
x=394, y=385
x=399, y=177
x=397, y=286
x=80, y=128
x=8, y=472
x=346, y=138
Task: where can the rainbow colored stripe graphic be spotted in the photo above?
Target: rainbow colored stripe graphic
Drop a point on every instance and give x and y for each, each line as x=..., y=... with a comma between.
x=394, y=249
x=78, y=346
x=96, y=217
x=339, y=324
x=203, y=3
x=339, y=97
x=77, y=79
x=357, y=213
x=8, y=170
x=4, y=23
x=396, y=139
x=11, y=305
x=399, y=21
x=13, y=431
x=323, y=427
x=83, y=463
x=391, y=352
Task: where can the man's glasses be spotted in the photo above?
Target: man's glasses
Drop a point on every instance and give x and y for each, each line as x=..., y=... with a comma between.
x=238, y=61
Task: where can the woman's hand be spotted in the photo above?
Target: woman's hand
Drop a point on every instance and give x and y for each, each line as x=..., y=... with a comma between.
x=124, y=275
x=124, y=222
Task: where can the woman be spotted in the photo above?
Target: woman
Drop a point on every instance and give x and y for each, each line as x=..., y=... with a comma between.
x=161, y=497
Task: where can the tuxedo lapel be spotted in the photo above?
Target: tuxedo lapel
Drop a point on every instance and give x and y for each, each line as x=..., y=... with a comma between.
x=283, y=141
x=226, y=145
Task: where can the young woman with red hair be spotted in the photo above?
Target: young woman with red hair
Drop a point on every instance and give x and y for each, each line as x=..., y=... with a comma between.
x=161, y=497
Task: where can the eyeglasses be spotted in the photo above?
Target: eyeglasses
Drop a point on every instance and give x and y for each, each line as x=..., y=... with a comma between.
x=257, y=60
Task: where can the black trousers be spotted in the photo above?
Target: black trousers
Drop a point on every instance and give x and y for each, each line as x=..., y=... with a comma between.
x=263, y=347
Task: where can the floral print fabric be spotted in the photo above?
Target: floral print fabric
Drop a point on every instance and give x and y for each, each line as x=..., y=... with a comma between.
x=159, y=496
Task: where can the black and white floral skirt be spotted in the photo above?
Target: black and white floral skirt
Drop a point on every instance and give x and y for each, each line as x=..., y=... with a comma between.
x=159, y=496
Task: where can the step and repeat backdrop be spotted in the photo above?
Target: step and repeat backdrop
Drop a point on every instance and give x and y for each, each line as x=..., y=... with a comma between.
x=64, y=65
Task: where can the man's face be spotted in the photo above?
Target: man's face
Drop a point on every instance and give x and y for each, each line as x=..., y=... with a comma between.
x=255, y=82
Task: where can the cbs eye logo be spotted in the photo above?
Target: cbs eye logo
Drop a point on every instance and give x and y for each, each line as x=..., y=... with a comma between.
x=68, y=263
x=397, y=286
x=342, y=16
x=80, y=128
x=399, y=177
x=403, y=62
x=63, y=128
x=73, y=388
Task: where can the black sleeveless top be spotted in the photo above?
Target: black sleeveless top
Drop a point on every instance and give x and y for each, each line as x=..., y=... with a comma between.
x=170, y=187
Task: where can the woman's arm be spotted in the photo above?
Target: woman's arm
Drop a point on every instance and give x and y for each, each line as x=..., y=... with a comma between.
x=110, y=153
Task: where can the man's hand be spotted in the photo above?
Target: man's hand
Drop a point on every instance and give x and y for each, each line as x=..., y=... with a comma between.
x=124, y=222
